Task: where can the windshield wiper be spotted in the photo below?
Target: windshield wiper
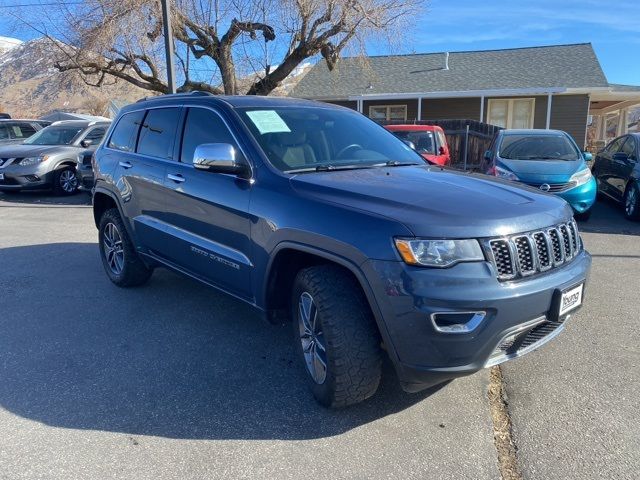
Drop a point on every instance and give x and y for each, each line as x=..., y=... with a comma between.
x=328, y=168
x=396, y=163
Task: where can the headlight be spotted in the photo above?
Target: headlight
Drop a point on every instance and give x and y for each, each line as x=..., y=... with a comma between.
x=504, y=173
x=33, y=160
x=581, y=177
x=438, y=253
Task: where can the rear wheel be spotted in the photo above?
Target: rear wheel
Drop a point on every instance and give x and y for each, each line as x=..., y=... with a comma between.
x=65, y=181
x=335, y=336
x=119, y=258
x=632, y=202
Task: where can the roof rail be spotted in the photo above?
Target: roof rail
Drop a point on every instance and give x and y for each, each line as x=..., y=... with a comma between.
x=181, y=94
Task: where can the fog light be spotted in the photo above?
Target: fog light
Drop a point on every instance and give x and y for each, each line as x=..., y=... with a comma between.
x=32, y=178
x=457, y=322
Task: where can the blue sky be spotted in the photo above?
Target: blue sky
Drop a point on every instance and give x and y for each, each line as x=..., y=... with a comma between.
x=613, y=27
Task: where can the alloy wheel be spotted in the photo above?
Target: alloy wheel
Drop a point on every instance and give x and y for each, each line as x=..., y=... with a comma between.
x=68, y=181
x=312, y=338
x=113, y=248
x=630, y=203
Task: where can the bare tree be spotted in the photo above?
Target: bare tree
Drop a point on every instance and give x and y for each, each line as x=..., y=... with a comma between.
x=217, y=42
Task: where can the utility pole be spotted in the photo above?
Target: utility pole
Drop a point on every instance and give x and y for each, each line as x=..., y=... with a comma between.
x=168, y=45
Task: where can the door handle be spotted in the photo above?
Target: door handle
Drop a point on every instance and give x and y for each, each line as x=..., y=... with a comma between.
x=176, y=178
x=125, y=164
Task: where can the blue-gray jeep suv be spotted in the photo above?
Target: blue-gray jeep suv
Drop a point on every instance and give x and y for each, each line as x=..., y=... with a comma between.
x=313, y=213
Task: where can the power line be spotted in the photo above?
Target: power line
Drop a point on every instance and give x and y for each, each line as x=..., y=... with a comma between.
x=51, y=4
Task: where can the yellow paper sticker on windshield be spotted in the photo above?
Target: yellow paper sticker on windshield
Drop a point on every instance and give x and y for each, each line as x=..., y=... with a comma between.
x=268, y=121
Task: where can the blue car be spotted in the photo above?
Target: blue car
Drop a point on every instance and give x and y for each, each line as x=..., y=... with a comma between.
x=548, y=160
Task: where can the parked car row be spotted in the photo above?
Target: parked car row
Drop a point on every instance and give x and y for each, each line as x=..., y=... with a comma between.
x=53, y=157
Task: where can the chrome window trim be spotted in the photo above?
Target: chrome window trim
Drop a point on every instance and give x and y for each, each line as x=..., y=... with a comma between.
x=179, y=135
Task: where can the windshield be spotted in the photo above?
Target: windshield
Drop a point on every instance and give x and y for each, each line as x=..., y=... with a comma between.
x=538, y=147
x=54, y=135
x=423, y=140
x=312, y=138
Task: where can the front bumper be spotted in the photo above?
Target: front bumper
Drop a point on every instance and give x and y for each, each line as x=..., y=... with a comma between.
x=408, y=296
x=583, y=197
x=32, y=177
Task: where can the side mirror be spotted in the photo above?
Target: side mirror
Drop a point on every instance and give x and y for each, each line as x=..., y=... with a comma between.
x=220, y=158
x=442, y=150
x=86, y=143
x=487, y=155
x=620, y=157
x=587, y=156
x=410, y=144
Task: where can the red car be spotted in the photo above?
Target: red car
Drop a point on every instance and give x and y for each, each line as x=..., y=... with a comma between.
x=429, y=141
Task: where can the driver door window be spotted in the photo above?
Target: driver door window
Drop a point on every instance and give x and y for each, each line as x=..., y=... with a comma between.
x=203, y=126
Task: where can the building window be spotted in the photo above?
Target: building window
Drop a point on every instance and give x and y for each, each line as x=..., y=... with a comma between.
x=512, y=112
x=388, y=112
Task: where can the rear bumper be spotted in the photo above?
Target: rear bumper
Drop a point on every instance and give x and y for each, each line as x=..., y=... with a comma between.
x=424, y=356
x=583, y=197
x=85, y=175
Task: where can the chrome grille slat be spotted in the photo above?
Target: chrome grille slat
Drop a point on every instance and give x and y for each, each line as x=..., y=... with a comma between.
x=526, y=254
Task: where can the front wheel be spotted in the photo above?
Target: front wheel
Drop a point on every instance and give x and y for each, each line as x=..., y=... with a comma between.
x=632, y=202
x=65, y=181
x=119, y=258
x=336, y=336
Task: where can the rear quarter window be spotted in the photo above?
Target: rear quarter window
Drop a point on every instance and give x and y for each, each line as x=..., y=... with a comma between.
x=125, y=133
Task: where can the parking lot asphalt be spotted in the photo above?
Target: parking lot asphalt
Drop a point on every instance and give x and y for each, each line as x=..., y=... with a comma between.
x=174, y=380
x=575, y=404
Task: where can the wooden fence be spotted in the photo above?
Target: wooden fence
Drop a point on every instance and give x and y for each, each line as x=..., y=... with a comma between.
x=475, y=143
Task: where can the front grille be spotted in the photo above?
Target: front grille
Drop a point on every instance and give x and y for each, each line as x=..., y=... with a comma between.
x=534, y=252
x=553, y=187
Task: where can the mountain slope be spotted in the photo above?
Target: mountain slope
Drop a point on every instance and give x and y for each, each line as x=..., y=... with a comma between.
x=31, y=86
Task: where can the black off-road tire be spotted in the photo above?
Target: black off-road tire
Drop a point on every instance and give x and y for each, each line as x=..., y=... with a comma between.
x=134, y=272
x=632, y=194
x=58, y=188
x=351, y=337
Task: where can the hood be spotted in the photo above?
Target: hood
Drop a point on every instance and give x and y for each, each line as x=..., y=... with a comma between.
x=541, y=171
x=435, y=202
x=22, y=150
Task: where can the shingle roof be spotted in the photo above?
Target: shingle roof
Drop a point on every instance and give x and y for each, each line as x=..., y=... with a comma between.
x=616, y=87
x=565, y=66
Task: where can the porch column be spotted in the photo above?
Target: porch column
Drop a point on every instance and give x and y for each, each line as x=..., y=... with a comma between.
x=549, y=102
x=482, y=108
x=419, y=108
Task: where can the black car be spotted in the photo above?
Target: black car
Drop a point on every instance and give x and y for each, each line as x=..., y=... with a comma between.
x=315, y=214
x=617, y=172
x=17, y=131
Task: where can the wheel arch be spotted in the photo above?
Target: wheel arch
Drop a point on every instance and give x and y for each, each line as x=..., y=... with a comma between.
x=288, y=259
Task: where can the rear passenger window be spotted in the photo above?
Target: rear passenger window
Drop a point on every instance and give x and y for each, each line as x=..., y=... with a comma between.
x=629, y=148
x=96, y=135
x=126, y=132
x=4, y=133
x=158, y=132
x=203, y=126
x=23, y=130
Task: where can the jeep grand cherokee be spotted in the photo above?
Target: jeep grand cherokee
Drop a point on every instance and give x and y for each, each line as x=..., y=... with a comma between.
x=313, y=213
